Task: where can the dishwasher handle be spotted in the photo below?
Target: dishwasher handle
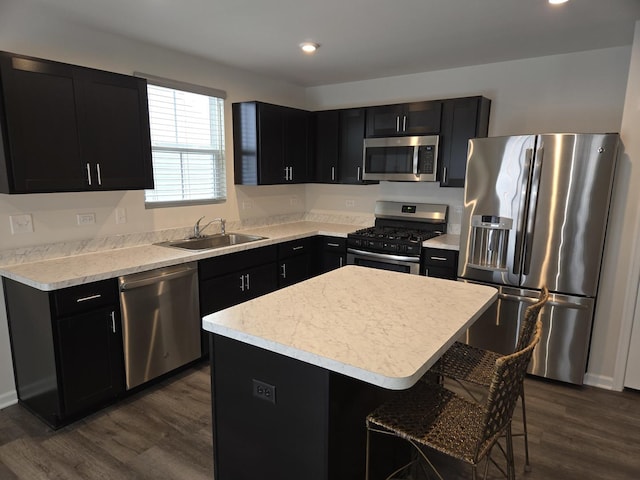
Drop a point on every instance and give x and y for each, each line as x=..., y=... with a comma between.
x=130, y=285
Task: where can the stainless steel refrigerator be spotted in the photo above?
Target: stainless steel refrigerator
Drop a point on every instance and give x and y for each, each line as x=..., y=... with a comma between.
x=535, y=213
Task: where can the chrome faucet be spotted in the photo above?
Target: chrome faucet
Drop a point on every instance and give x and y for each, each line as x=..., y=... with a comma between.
x=197, y=229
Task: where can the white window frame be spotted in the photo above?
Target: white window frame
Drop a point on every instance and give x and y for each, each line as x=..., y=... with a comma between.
x=221, y=162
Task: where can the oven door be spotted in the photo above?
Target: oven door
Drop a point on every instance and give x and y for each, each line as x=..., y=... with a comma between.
x=383, y=261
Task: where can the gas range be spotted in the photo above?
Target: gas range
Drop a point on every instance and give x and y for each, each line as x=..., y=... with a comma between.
x=395, y=241
x=390, y=240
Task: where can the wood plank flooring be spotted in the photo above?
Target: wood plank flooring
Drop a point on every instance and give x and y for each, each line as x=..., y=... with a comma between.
x=576, y=433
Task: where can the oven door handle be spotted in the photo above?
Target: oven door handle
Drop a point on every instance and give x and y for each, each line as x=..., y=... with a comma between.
x=384, y=256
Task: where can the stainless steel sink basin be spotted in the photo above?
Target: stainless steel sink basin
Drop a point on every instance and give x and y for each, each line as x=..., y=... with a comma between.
x=211, y=242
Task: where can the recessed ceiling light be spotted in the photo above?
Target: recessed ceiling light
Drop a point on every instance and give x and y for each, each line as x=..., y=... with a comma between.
x=557, y=2
x=309, y=47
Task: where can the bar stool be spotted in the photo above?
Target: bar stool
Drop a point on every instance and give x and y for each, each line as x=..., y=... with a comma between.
x=429, y=416
x=464, y=363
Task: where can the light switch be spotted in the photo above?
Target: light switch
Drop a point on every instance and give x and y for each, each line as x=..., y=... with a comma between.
x=21, y=223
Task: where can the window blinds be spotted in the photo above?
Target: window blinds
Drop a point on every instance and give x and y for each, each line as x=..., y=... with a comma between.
x=187, y=141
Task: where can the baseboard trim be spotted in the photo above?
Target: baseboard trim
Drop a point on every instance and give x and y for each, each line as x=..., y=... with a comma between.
x=600, y=381
x=7, y=399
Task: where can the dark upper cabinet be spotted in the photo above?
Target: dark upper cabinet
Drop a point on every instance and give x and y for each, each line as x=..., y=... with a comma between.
x=327, y=145
x=417, y=118
x=462, y=119
x=270, y=144
x=68, y=128
x=352, y=121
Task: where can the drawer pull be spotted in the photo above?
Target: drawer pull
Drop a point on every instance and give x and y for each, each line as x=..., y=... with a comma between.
x=113, y=322
x=442, y=259
x=333, y=245
x=298, y=248
x=85, y=299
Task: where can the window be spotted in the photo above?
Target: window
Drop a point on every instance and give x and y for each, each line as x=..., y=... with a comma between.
x=187, y=142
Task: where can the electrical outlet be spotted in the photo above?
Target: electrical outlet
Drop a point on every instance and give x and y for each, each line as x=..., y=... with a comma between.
x=350, y=203
x=86, y=218
x=264, y=391
x=121, y=215
x=21, y=223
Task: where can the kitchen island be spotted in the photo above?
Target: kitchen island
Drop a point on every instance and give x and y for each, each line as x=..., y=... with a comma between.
x=295, y=372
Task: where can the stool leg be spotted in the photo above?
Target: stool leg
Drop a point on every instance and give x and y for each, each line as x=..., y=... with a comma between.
x=527, y=465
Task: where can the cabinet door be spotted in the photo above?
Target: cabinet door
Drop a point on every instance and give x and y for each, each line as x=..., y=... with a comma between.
x=294, y=270
x=385, y=120
x=327, y=146
x=43, y=153
x=296, y=145
x=351, y=145
x=462, y=119
x=270, y=144
x=231, y=289
x=422, y=118
x=90, y=359
x=333, y=253
x=114, y=130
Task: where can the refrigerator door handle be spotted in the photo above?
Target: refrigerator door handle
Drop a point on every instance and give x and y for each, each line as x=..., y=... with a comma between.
x=517, y=298
x=517, y=261
x=533, y=204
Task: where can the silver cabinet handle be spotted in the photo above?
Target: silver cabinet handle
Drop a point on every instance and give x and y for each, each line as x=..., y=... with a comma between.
x=291, y=174
x=286, y=173
x=332, y=245
x=299, y=247
x=341, y=262
x=444, y=174
x=404, y=123
x=113, y=321
x=89, y=174
x=442, y=259
x=397, y=123
x=248, y=287
x=99, y=174
x=333, y=173
x=90, y=297
x=358, y=173
x=284, y=271
x=242, y=283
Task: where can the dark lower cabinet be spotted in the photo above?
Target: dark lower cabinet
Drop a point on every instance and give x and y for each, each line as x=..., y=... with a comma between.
x=295, y=261
x=66, y=347
x=441, y=263
x=235, y=278
x=332, y=253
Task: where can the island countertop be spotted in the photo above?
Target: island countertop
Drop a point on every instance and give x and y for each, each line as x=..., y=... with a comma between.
x=385, y=328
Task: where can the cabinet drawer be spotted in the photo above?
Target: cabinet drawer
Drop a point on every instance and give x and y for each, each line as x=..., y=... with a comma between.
x=333, y=244
x=224, y=264
x=82, y=298
x=440, y=258
x=295, y=247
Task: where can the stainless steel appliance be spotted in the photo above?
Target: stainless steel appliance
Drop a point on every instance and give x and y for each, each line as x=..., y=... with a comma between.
x=160, y=321
x=408, y=159
x=395, y=241
x=535, y=213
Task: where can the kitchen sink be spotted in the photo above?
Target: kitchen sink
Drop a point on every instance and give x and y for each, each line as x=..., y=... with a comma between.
x=211, y=242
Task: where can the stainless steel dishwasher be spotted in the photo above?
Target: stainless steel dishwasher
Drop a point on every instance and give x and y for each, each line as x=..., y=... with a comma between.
x=160, y=321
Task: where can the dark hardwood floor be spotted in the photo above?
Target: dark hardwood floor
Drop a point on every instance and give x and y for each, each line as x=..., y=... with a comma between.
x=164, y=432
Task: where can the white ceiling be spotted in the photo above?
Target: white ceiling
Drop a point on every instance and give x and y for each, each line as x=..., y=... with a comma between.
x=360, y=39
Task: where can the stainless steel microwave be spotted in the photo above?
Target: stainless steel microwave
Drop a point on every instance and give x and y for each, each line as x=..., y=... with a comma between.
x=404, y=159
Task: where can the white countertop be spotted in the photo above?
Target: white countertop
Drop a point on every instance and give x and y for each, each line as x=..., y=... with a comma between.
x=445, y=242
x=385, y=328
x=78, y=269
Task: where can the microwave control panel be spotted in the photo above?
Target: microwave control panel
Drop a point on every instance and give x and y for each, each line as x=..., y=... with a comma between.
x=427, y=159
